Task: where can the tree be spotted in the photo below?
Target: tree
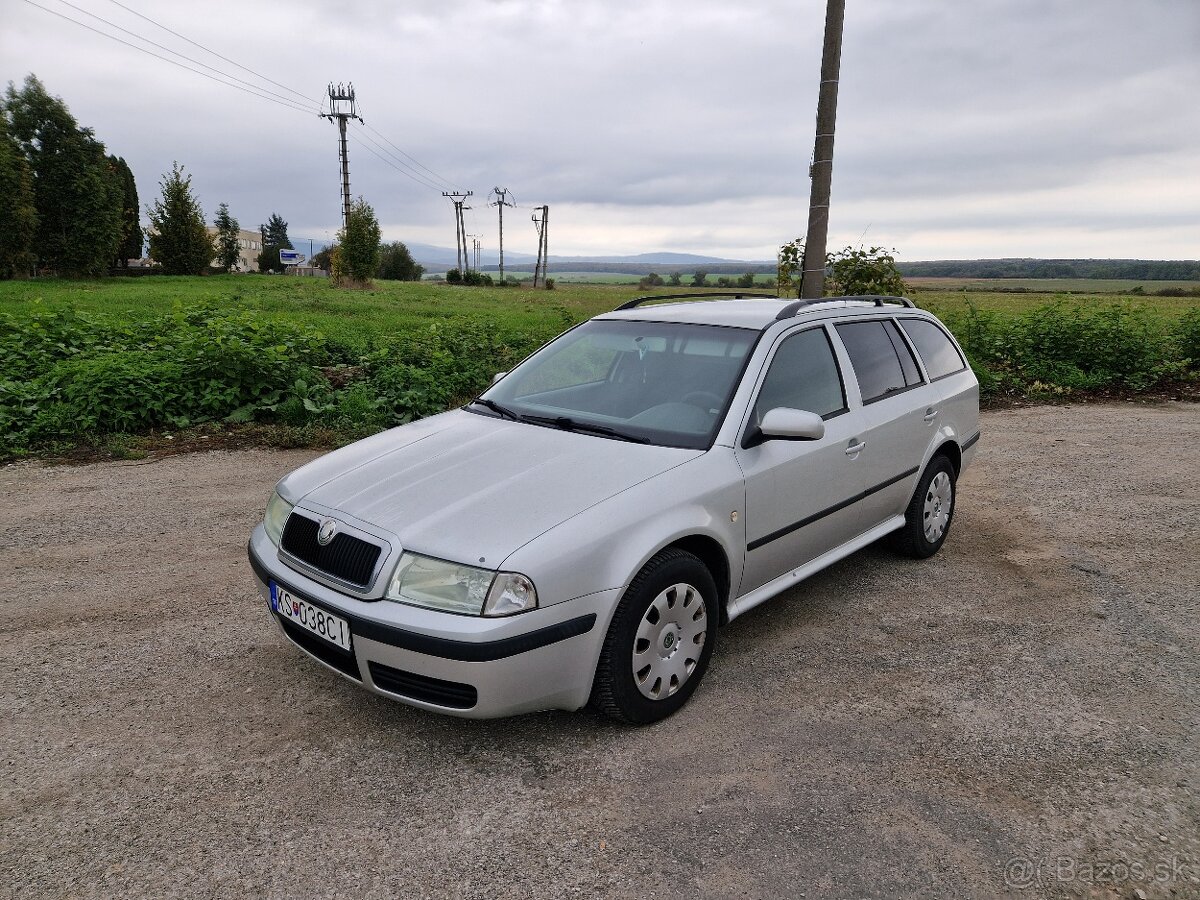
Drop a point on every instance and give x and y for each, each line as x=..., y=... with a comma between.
x=790, y=268
x=77, y=192
x=132, y=238
x=864, y=272
x=357, y=257
x=226, y=241
x=275, y=238
x=179, y=242
x=18, y=214
x=700, y=279
x=320, y=259
x=746, y=281
x=397, y=264
x=675, y=279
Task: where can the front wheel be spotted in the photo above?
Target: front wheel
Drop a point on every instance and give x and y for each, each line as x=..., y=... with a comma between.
x=660, y=640
x=931, y=510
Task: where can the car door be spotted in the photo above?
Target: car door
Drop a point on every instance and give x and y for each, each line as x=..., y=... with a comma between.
x=796, y=490
x=899, y=415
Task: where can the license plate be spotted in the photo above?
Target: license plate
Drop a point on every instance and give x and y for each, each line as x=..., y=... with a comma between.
x=309, y=617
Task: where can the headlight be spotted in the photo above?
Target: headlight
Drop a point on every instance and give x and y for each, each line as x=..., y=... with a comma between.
x=452, y=587
x=278, y=511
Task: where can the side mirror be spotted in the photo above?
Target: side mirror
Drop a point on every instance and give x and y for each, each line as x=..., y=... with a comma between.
x=498, y=376
x=792, y=424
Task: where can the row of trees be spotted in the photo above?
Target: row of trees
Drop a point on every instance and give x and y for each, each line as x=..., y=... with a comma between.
x=66, y=205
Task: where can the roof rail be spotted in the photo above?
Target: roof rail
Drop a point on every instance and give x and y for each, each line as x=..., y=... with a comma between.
x=740, y=295
x=877, y=299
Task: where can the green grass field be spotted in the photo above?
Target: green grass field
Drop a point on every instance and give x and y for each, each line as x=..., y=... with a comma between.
x=87, y=363
x=356, y=316
x=1051, y=285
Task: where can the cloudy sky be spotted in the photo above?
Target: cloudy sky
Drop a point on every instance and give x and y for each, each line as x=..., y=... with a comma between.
x=966, y=128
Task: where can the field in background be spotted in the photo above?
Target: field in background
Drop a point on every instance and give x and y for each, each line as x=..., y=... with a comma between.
x=90, y=363
x=1052, y=285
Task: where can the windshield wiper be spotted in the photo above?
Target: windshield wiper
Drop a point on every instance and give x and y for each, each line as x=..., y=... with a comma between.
x=566, y=423
x=499, y=410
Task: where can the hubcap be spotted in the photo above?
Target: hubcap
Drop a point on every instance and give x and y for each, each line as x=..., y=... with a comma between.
x=939, y=502
x=669, y=641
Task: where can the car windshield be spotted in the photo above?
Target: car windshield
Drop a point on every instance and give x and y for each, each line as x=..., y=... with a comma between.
x=651, y=382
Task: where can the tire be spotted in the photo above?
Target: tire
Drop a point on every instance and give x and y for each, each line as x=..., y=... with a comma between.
x=646, y=671
x=930, y=513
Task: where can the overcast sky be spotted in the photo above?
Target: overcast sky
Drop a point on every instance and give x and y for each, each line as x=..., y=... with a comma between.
x=966, y=128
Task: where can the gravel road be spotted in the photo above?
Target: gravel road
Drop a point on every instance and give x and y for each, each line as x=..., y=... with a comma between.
x=1019, y=716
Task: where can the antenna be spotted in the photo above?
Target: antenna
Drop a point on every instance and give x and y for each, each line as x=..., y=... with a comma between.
x=342, y=106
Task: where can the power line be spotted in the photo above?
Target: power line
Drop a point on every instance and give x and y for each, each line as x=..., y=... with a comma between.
x=213, y=52
x=445, y=181
x=287, y=104
x=399, y=165
x=176, y=52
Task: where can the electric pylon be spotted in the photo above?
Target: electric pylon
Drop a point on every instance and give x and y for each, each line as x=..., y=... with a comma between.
x=342, y=106
x=500, y=202
x=460, y=229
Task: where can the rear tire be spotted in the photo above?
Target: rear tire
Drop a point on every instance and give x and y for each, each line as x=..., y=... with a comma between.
x=659, y=642
x=931, y=511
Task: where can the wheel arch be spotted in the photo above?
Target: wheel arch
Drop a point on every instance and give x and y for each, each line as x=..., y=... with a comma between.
x=948, y=448
x=710, y=552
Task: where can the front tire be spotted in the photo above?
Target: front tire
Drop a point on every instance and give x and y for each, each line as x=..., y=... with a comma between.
x=931, y=511
x=659, y=642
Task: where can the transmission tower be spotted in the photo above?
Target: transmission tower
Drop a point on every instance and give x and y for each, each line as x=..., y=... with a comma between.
x=541, y=218
x=460, y=229
x=342, y=107
x=501, y=200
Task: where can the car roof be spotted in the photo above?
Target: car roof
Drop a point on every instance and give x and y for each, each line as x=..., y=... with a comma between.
x=757, y=313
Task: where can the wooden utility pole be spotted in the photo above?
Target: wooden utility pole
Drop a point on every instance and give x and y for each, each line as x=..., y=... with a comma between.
x=540, y=215
x=812, y=284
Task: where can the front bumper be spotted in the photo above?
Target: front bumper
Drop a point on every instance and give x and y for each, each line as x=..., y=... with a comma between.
x=461, y=665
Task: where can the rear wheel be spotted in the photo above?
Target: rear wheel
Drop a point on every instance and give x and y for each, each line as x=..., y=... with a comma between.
x=931, y=511
x=660, y=640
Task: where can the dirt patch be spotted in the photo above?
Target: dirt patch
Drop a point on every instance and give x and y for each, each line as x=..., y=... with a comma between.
x=1018, y=716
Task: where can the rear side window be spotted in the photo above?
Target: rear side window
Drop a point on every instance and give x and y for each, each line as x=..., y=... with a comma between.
x=937, y=351
x=882, y=361
x=803, y=375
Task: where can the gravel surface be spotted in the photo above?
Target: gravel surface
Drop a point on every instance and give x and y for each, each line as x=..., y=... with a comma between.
x=1019, y=716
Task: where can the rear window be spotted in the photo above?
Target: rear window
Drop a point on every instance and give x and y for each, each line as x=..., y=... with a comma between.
x=938, y=352
x=877, y=359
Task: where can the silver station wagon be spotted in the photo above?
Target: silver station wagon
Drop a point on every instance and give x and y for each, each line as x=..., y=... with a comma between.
x=579, y=531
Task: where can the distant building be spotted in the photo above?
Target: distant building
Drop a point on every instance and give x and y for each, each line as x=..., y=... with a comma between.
x=249, y=246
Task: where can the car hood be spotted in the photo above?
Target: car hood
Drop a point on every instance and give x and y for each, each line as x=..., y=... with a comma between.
x=473, y=488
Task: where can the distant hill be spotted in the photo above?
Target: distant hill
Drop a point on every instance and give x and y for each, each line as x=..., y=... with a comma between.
x=664, y=263
x=1135, y=269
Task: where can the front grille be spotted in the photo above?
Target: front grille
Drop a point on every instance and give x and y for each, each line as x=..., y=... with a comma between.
x=340, y=659
x=422, y=687
x=346, y=557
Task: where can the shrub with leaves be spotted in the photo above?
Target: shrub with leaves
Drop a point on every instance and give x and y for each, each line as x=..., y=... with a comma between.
x=357, y=258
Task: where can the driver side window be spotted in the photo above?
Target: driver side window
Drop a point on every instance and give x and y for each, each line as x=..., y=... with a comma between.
x=803, y=375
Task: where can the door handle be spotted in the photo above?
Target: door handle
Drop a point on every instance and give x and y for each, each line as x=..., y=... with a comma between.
x=930, y=415
x=855, y=449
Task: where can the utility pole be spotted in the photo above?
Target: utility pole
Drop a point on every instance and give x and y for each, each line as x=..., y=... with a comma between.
x=537, y=224
x=545, y=249
x=475, y=247
x=500, y=202
x=460, y=230
x=540, y=223
x=342, y=107
x=812, y=284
